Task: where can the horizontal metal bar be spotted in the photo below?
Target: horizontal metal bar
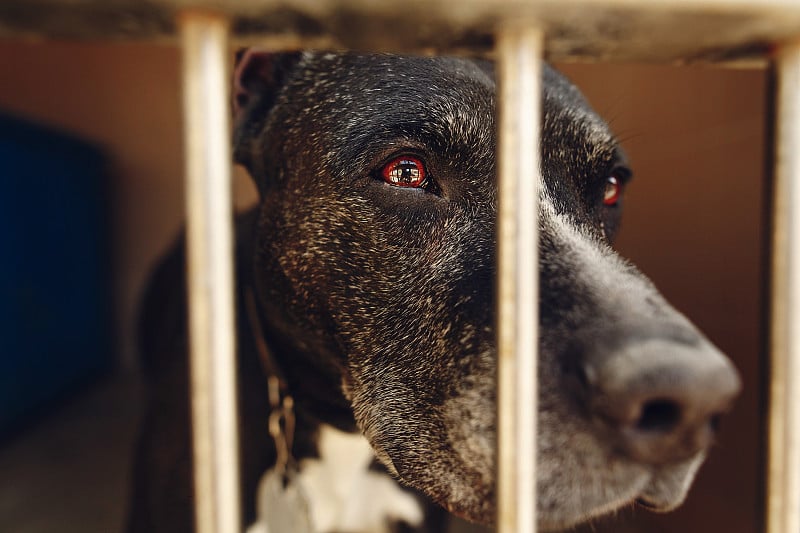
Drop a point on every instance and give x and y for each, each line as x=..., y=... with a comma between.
x=210, y=273
x=655, y=30
x=519, y=53
x=783, y=472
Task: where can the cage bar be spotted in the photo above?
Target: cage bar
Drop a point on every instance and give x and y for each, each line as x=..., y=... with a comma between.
x=210, y=273
x=783, y=470
x=519, y=51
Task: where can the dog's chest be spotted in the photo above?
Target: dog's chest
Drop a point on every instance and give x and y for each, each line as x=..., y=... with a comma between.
x=342, y=493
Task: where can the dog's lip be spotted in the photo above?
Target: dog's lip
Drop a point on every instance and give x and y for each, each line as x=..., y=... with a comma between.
x=659, y=503
x=642, y=501
x=668, y=486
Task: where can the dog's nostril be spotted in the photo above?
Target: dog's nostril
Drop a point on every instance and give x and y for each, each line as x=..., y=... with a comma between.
x=659, y=415
x=714, y=422
x=646, y=504
x=583, y=378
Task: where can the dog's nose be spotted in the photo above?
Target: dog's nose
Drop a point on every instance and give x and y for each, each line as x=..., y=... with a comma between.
x=663, y=399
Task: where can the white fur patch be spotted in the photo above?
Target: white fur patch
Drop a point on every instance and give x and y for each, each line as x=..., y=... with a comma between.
x=344, y=495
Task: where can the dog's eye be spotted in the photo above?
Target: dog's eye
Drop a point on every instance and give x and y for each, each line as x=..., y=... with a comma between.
x=404, y=171
x=612, y=191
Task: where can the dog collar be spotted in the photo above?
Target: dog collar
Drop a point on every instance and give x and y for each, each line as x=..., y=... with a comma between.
x=281, y=417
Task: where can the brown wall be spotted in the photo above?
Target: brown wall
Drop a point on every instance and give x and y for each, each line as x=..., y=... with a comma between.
x=692, y=215
x=126, y=98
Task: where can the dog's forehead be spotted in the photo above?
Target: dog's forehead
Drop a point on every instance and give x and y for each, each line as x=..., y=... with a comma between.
x=337, y=72
x=364, y=94
x=361, y=99
x=352, y=109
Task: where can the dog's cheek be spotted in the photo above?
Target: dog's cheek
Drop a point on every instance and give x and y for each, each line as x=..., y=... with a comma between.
x=312, y=242
x=470, y=421
x=422, y=373
x=407, y=298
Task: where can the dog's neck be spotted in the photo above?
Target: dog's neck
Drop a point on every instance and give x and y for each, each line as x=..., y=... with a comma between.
x=306, y=367
x=307, y=375
x=334, y=461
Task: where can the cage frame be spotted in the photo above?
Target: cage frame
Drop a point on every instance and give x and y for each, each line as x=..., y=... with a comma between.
x=519, y=34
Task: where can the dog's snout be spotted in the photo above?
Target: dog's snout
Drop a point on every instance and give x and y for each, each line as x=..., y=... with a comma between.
x=662, y=399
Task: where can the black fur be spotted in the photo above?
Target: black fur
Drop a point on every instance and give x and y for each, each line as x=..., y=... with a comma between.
x=377, y=301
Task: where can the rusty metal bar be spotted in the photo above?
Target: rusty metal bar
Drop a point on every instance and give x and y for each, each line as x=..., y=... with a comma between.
x=783, y=470
x=210, y=272
x=519, y=52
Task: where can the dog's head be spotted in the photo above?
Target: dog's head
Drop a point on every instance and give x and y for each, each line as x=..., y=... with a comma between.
x=376, y=254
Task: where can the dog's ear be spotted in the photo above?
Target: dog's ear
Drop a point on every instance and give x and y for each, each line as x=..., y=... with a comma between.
x=257, y=80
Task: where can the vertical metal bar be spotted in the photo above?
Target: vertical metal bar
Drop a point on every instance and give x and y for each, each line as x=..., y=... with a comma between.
x=210, y=269
x=783, y=471
x=519, y=53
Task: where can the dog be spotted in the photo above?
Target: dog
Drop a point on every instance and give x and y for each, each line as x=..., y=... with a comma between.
x=369, y=266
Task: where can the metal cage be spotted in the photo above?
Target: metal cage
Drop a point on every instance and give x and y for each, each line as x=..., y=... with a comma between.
x=517, y=33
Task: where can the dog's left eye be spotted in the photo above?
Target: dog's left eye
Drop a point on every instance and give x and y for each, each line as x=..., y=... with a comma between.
x=612, y=191
x=404, y=171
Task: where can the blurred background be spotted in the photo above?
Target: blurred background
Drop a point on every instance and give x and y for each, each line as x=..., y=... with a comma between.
x=92, y=158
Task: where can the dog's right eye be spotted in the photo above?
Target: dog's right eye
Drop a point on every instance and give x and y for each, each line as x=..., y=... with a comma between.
x=405, y=171
x=612, y=192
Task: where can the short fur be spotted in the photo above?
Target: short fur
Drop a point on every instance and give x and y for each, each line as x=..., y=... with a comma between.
x=378, y=302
